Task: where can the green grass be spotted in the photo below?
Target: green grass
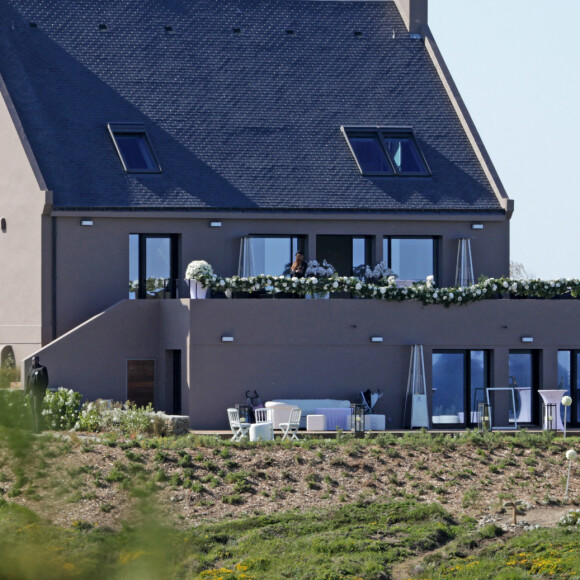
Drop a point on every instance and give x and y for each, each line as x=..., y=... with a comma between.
x=543, y=553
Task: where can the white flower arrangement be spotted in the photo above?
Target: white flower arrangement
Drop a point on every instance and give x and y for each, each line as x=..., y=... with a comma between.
x=386, y=288
x=316, y=270
x=198, y=269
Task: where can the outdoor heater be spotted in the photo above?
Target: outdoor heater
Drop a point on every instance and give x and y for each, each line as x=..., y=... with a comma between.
x=357, y=420
x=484, y=417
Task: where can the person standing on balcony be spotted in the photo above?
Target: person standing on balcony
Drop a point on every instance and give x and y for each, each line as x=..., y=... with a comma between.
x=298, y=268
x=36, y=385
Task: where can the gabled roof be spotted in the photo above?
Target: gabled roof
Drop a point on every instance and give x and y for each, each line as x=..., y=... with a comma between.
x=243, y=101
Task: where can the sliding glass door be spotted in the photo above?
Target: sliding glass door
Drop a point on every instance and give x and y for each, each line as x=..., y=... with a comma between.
x=460, y=378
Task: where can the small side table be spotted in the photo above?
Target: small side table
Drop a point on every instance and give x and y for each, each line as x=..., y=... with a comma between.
x=553, y=397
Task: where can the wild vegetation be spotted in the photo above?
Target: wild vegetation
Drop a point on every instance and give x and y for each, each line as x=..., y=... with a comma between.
x=118, y=505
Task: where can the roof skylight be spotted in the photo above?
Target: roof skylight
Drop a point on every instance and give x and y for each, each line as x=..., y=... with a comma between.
x=134, y=147
x=385, y=151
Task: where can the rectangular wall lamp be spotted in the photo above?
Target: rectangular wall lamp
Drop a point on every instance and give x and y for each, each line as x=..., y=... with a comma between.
x=527, y=339
x=215, y=224
x=227, y=339
x=376, y=339
x=476, y=226
x=86, y=222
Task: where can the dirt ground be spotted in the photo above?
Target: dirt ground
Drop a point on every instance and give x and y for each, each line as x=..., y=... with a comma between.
x=79, y=484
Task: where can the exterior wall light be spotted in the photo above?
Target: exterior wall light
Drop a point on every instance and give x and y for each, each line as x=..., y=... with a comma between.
x=476, y=226
x=527, y=339
x=86, y=222
x=227, y=339
x=376, y=339
x=215, y=224
x=3, y=225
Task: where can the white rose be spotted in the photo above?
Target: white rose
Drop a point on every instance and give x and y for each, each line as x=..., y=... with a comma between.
x=358, y=286
x=382, y=290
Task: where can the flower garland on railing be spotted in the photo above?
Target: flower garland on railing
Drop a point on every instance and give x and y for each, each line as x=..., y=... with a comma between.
x=387, y=288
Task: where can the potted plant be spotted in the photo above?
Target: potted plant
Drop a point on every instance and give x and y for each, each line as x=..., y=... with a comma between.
x=197, y=275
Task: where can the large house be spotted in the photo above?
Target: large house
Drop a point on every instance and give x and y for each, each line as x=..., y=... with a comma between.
x=138, y=136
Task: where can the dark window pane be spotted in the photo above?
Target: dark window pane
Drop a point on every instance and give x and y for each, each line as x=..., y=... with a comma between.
x=133, y=265
x=478, y=380
x=521, y=370
x=404, y=154
x=577, y=386
x=370, y=155
x=135, y=151
x=448, y=388
x=564, y=377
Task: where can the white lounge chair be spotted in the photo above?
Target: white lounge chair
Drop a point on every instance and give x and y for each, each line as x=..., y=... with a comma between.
x=290, y=429
x=239, y=429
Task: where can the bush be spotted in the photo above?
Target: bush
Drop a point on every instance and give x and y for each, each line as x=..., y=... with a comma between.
x=61, y=409
x=127, y=418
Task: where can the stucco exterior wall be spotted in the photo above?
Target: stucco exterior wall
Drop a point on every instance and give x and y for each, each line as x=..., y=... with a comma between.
x=299, y=348
x=24, y=264
x=92, y=266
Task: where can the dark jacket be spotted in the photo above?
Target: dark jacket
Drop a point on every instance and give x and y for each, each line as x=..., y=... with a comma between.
x=37, y=380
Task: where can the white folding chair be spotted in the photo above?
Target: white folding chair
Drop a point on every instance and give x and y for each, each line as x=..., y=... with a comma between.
x=290, y=429
x=239, y=429
x=265, y=416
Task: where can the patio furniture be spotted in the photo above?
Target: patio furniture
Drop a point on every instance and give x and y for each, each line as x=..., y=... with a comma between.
x=263, y=418
x=261, y=432
x=281, y=408
x=553, y=397
x=336, y=417
x=290, y=429
x=316, y=423
x=239, y=429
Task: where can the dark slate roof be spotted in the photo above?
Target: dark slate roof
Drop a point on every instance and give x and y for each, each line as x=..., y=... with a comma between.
x=248, y=120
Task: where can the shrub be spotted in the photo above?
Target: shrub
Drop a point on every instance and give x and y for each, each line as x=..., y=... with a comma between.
x=61, y=409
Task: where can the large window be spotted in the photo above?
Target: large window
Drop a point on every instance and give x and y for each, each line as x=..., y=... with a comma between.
x=460, y=378
x=152, y=266
x=384, y=151
x=271, y=255
x=411, y=258
x=569, y=379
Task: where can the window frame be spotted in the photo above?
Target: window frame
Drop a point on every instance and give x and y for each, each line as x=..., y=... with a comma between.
x=116, y=129
x=297, y=243
x=469, y=397
x=389, y=257
x=380, y=133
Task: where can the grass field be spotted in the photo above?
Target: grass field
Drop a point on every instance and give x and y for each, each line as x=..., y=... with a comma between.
x=197, y=507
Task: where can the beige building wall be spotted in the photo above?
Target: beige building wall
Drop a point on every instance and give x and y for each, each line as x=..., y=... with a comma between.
x=24, y=241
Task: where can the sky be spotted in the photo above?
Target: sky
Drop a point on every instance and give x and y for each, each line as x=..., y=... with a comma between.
x=517, y=66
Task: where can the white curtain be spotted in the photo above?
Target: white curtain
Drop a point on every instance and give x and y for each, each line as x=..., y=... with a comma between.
x=246, y=266
x=464, y=268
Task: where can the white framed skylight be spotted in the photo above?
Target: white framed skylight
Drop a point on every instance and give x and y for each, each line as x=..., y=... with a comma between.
x=134, y=147
x=386, y=151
